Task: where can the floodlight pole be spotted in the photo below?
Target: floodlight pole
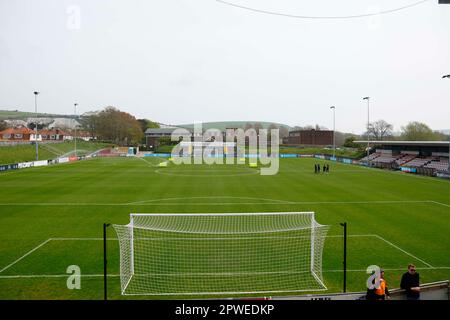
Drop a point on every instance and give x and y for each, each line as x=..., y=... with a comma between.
x=448, y=77
x=105, y=263
x=334, y=131
x=35, y=125
x=75, y=110
x=344, y=224
x=368, y=128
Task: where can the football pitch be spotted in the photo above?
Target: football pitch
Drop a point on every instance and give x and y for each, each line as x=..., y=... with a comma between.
x=52, y=217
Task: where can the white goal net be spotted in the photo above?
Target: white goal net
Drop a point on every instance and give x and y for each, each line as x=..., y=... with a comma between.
x=221, y=254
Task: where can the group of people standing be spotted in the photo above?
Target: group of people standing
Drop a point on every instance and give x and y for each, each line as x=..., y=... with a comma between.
x=326, y=168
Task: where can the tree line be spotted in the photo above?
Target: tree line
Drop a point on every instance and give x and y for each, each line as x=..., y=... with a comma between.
x=117, y=126
x=414, y=131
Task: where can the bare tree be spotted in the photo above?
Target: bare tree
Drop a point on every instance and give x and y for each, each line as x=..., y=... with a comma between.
x=380, y=129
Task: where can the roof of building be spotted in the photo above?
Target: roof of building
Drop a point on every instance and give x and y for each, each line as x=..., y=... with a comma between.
x=47, y=132
x=22, y=130
x=407, y=143
x=85, y=134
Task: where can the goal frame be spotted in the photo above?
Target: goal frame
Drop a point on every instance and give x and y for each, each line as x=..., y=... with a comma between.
x=313, y=227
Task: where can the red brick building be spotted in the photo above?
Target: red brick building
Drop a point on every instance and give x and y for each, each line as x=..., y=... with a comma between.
x=309, y=137
x=53, y=135
x=16, y=134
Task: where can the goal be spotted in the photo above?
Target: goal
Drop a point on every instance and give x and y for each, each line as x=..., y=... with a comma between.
x=213, y=254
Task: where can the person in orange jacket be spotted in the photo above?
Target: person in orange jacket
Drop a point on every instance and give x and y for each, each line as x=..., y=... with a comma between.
x=382, y=293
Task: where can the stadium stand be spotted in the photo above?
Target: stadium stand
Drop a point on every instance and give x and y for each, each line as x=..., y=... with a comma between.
x=371, y=157
x=419, y=162
x=429, y=158
x=387, y=158
x=405, y=158
x=440, y=164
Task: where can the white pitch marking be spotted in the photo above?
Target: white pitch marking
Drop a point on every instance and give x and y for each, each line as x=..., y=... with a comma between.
x=117, y=275
x=390, y=269
x=55, y=276
x=430, y=267
x=243, y=173
x=404, y=251
x=26, y=254
x=210, y=197
x=143, y=203
x=440, y=203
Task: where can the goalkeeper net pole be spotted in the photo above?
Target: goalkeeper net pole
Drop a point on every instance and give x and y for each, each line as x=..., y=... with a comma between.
x=227, y=254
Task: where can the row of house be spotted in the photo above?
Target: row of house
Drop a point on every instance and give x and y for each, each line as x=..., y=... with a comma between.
x=26, y=134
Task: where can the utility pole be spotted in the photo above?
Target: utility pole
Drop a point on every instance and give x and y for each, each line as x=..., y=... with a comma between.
x=75, y=108
x=36, y=125
x=368, y=127
x=105, y=263
x=334, y=131
x=344, y=224
x=448, y=77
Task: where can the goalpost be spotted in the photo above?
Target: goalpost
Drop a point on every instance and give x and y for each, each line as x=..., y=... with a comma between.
x=212, y=254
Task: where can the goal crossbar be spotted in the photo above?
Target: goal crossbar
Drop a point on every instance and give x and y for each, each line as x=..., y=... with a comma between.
x=182, y=254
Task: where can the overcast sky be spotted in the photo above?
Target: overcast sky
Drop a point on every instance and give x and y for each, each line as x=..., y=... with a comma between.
x=180, y=61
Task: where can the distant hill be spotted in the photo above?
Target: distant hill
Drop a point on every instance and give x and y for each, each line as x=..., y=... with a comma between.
x=222, y=125
x=22, y=115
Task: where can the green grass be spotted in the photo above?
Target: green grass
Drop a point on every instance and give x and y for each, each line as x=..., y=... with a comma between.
x=164, y=149
x=402, y=218
x=22, y=115
x=27, y=152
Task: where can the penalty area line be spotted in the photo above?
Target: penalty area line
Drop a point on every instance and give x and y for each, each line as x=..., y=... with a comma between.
x=25, y=255
x=118, y=275
x=273, y=202
x=404, y=251
x=57, y=276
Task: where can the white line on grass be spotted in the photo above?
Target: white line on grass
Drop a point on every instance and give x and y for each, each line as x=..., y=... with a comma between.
x=118, y=275
x=211, y=197
x=440, y=203
x=328, y=236
x=56, y=276
x=278, y=202
x=150, y=164
x=177, y=174
x=390, y=269
x=81, y=239
x=430, y=267
x=404, y=251
x=210, y=238
x=26, y=254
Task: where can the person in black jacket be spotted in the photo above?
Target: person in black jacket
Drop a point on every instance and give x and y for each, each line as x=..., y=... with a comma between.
x=411, y=283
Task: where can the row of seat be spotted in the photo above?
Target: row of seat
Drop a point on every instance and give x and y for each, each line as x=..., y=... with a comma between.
x=419, y=162
x=409, y=160
x=440, y=164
